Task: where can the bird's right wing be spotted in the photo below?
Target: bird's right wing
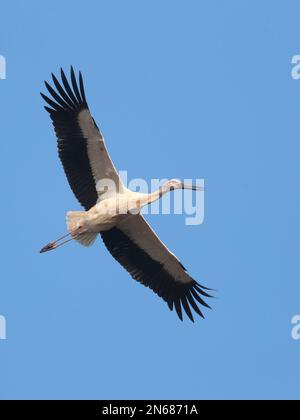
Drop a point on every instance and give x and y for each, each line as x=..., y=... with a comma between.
x=139, y=250
x=81, y=145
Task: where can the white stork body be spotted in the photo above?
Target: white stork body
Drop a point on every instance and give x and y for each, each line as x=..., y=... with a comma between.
x=114, y=211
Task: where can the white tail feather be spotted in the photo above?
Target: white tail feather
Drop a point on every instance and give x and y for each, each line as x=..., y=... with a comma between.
x=77, y=220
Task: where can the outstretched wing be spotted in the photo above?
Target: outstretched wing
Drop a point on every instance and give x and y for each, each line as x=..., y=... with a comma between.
x=81, y=146
x=139, y=250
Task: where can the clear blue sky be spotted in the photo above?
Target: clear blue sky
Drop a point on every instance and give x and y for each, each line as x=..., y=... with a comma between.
x=180, y=89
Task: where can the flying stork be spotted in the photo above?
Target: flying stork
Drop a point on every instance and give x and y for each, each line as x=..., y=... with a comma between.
x=114, y=211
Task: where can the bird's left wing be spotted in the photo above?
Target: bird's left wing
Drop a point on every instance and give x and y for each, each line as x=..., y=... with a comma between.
x=138, y=249
x=81, y=145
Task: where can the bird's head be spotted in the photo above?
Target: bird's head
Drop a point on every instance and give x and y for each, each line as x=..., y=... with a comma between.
x=176, y=184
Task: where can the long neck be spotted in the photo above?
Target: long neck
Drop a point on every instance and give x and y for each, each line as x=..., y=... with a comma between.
x=156, y=195
x=140, y=200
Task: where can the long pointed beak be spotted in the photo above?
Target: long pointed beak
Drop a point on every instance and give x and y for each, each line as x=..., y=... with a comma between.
x=192, y=187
